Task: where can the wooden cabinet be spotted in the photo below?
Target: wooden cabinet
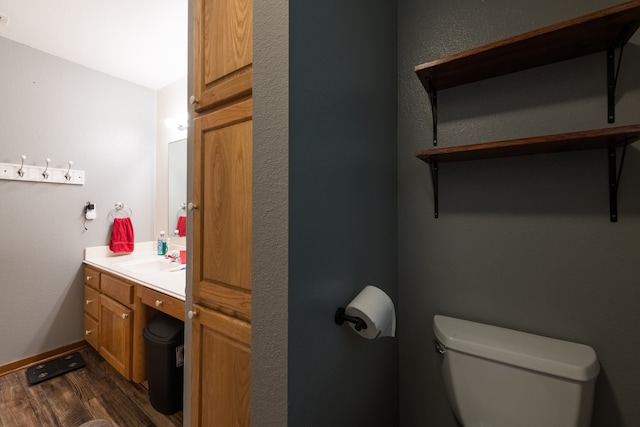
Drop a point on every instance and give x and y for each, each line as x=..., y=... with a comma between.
x=91, y=306
x=220, y=370
x=223, y=51
x=222, y=194
x=162, y=302
x=115, y=334
x=110, y=322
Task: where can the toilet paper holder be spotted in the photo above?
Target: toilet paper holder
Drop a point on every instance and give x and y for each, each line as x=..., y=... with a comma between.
x=341, y=317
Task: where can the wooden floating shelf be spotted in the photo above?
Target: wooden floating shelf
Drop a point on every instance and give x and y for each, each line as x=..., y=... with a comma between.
x=583, y=140
x=591, y=33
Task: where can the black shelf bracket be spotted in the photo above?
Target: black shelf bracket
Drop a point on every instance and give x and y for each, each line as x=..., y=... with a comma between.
x=433, y=167
x=614, y=180
x=613, y=72
x=433, y=98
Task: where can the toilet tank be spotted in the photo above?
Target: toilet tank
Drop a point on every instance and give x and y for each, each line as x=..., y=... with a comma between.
x=497, y=377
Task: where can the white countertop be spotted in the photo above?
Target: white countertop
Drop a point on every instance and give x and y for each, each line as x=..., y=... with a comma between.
x=172, y=283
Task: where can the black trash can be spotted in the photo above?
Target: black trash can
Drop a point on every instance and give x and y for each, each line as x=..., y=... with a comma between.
x=164, y=348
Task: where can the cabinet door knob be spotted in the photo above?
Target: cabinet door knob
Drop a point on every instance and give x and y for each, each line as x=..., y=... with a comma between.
x=89, y=301
x=87, y=332
x=192, y=206
x=191, y=314
x=158, y=303
x=125, y=315
x=193, y=100
x=89, y=278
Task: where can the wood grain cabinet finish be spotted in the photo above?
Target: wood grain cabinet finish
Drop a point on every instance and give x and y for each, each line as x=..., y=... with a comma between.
x=222, y=192
x=162, y=302
x=222, y=226
x=223, y=44
x=221, y=370
x=92, y=277
x=115, y=335
x=91, y=307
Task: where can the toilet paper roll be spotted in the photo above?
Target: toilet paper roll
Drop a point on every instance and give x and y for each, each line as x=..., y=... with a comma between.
x=375, y=307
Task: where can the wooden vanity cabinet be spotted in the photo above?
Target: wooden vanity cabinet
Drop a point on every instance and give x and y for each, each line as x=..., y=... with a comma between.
x=115, y=334
x=91, y=306
x=162, y=302
x=110, y=322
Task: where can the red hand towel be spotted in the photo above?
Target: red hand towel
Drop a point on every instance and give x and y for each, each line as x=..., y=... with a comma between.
x=182, y=226
x=121, y=235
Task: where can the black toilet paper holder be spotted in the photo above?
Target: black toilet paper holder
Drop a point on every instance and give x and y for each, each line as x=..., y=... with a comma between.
x=340, y=318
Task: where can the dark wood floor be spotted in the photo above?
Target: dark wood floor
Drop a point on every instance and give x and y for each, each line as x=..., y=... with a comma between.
x=93, y=392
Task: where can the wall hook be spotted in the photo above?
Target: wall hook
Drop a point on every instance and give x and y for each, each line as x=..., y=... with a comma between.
x=45, y=174
x=21, y=170
x=67, y=175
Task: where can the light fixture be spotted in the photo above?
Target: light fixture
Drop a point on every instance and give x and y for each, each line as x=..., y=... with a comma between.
x=181, y=122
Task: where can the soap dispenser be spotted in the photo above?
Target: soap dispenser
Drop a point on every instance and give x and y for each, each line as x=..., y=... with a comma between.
x=162, y=244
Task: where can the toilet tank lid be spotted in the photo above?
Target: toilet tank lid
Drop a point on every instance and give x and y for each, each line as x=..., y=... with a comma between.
x=565, y=359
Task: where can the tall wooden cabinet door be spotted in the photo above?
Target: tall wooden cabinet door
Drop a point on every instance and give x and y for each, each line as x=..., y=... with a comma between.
x=223, y=44
x=115, y=335
x=222, y=222
x=220, y=375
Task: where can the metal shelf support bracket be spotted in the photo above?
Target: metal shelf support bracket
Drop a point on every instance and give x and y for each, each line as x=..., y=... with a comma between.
x=614, y=180
x=433, y=167
x=613, y=72
x=433, y=98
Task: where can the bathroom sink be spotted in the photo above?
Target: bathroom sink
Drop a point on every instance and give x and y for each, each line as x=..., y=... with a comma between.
x=149, y=265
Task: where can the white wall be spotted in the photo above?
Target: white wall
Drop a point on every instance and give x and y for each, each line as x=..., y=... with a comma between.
x=171, y=101
x=54, y=108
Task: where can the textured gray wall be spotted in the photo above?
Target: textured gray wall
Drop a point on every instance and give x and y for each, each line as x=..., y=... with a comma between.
x=53, y=108
x=342, y=208
x=270, y=275
x=523, y=242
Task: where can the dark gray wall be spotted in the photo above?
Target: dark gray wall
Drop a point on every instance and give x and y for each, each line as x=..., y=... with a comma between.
x=523, y=242
x=53, y=108
x=342, y=208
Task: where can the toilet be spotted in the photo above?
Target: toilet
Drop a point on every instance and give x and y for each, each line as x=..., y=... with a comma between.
x=497, y=377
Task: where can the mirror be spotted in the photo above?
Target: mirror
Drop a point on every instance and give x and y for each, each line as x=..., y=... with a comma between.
x=177, y=187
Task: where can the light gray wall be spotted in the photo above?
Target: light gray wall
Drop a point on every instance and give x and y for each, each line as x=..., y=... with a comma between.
x=54, y=108
x=269, y=347
x=525, y=242
x=342, y=208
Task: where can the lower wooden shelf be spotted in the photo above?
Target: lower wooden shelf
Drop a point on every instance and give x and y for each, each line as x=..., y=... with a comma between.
x=609, y=138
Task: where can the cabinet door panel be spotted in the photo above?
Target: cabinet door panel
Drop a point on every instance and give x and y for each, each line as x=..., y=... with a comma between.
x=115, y=335
x=220, y=382
x=222, y=224
x=223, y=49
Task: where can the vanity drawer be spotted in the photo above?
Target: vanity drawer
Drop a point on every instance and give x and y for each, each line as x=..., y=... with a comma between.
x=91, y=301
x=91, y=331
x=162, y=302
x=92, y=277
x=117, y=289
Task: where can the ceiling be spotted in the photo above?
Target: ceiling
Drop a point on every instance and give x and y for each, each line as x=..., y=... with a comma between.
x=141, y=41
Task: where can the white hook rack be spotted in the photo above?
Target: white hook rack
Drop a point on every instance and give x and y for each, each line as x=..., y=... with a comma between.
x=22, y=172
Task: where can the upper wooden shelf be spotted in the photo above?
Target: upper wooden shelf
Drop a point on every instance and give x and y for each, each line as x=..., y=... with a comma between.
x=584, y=140
x=591, y=33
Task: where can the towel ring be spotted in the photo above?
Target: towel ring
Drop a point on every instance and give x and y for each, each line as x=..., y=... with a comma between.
x=121, y=207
